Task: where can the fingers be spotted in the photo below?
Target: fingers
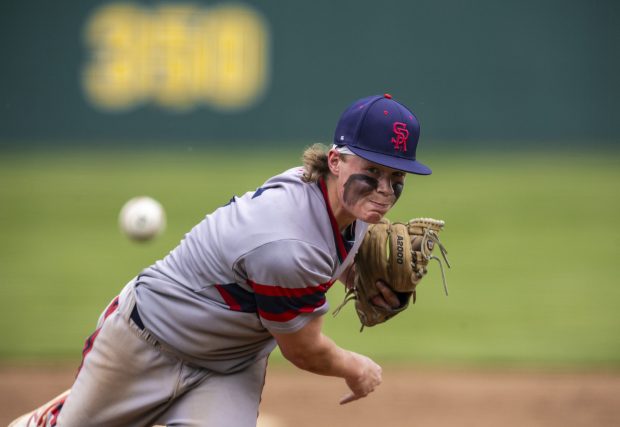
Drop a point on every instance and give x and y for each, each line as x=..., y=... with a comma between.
x=387, y=299
x=348, y=398
x=364, y=382
x=380, y=302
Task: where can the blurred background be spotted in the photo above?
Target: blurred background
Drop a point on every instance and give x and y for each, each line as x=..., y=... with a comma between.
x=192, y=102
x=125, y=73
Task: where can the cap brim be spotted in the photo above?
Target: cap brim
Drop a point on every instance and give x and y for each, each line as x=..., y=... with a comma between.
x=405, y=165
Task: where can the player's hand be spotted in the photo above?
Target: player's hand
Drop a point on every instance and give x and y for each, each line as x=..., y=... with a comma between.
x=387, y=299
x=365, y=381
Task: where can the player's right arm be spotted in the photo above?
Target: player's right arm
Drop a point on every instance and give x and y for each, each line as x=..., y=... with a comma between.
x=309, y=349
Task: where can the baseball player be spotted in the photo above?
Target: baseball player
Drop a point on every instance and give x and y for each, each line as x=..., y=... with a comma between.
x=186, y=341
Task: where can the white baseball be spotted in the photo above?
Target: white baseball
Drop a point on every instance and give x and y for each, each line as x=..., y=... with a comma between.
x=142, y=218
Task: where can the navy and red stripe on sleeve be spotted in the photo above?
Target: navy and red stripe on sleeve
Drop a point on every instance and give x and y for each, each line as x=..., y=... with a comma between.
x=280, y=304
x=272, y=302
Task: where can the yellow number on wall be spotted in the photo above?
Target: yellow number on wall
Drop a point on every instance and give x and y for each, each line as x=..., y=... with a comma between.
x=176, y=56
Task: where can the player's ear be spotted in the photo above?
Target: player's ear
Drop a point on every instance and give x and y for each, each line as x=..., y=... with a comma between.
x=333, y=161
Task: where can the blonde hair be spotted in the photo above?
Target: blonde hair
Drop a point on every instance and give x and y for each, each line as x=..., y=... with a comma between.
x=315, y=163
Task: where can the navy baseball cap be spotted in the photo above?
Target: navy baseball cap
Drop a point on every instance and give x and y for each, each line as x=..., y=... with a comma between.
x=383, y=131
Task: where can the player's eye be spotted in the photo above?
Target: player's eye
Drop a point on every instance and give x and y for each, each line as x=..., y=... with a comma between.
x=373, y=170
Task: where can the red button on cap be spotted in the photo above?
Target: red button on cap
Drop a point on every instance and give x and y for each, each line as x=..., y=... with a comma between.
x=388, y=96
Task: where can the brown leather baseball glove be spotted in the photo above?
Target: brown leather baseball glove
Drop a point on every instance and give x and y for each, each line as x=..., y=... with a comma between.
x=396, y=254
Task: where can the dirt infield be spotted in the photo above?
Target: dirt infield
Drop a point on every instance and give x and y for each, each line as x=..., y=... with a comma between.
x=408, y=397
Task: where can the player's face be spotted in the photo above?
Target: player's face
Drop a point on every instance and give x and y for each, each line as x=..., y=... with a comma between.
x=368, y=190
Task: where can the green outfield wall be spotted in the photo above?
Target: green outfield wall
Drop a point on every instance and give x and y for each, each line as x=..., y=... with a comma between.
x=94, y=72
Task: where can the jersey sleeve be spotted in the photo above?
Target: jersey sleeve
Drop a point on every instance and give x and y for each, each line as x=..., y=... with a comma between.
x=289, y=279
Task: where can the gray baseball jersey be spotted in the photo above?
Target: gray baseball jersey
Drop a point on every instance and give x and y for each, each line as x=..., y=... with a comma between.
x=261, y=263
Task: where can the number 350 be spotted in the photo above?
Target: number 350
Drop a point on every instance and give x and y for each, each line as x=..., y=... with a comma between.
x=175, y=56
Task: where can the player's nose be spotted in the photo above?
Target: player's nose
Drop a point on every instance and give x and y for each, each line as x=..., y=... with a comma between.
x=385, y=186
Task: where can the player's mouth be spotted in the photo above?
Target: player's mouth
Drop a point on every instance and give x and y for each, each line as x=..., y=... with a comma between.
x=381, y=205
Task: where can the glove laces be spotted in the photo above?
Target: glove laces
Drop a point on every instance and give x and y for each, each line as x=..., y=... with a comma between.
x=432, y=236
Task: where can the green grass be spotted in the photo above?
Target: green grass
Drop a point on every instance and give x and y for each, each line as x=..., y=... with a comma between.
x=533, y=238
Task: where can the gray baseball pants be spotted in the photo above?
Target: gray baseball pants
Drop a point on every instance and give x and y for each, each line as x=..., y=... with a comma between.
x=127, y=379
